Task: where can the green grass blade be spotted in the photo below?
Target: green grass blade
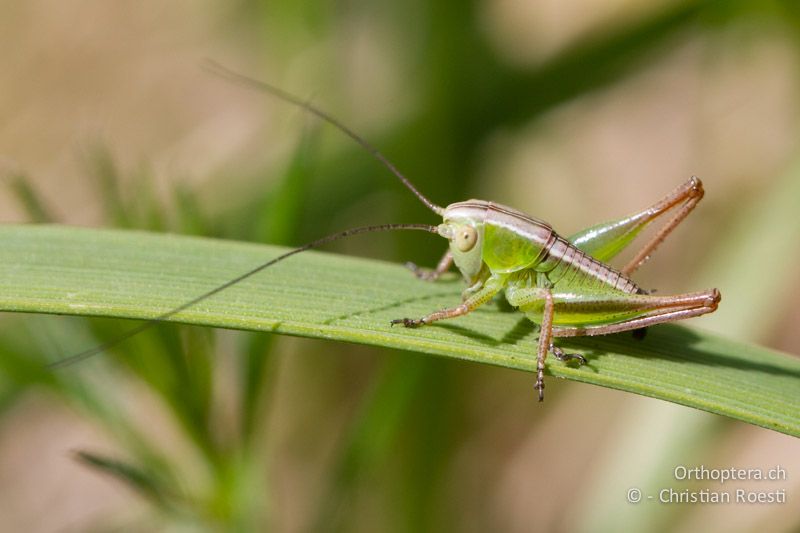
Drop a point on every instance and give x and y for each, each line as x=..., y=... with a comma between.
x=112, y=273
x=29, y=199
x=147, y=484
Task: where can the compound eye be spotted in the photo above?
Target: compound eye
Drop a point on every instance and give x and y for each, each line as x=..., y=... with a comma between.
x=466, y=237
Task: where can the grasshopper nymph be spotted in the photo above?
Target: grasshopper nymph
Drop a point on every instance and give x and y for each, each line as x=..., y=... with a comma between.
x=564, y=285
x=561, y=284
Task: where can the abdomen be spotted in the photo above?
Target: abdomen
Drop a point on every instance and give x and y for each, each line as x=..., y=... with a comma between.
x=567, y=268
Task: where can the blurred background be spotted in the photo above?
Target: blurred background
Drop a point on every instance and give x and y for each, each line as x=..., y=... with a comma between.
x=575, y=112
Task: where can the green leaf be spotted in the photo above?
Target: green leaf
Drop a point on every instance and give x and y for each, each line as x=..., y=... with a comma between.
x=145, y=483
x=113, y=273
x=30, y=200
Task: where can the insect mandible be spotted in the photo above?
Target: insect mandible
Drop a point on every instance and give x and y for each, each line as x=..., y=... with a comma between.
x=563, y=285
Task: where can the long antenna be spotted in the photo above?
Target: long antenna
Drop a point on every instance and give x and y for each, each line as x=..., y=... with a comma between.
x=224, y=72
x=219, y=288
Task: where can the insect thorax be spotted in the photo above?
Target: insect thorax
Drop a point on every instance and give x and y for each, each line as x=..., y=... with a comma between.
x=510, y=241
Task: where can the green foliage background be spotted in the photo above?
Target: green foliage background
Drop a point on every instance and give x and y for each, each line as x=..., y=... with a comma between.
x=252, y=432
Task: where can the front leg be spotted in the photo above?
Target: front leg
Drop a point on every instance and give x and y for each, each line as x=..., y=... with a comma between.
x=432, y=275
x=491, y=287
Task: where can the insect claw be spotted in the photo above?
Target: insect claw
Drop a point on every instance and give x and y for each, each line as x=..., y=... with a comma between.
x=540, y=387
x=575, y=357
x=566, y=357
x=413, y=267
x=408, y=322
x=421, y=273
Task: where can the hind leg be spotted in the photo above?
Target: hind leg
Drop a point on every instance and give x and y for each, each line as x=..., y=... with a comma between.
x=605, y=241
x=565, y=314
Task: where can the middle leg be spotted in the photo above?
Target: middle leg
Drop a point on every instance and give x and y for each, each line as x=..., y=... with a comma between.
x=544, y=296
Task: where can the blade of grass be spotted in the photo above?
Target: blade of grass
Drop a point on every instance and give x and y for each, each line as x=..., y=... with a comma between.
x=55, y=269
x=106, y=177
x=148, y=484
x=375, y=430
x=276, y=216
x=765, y=228
x=30, y=200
